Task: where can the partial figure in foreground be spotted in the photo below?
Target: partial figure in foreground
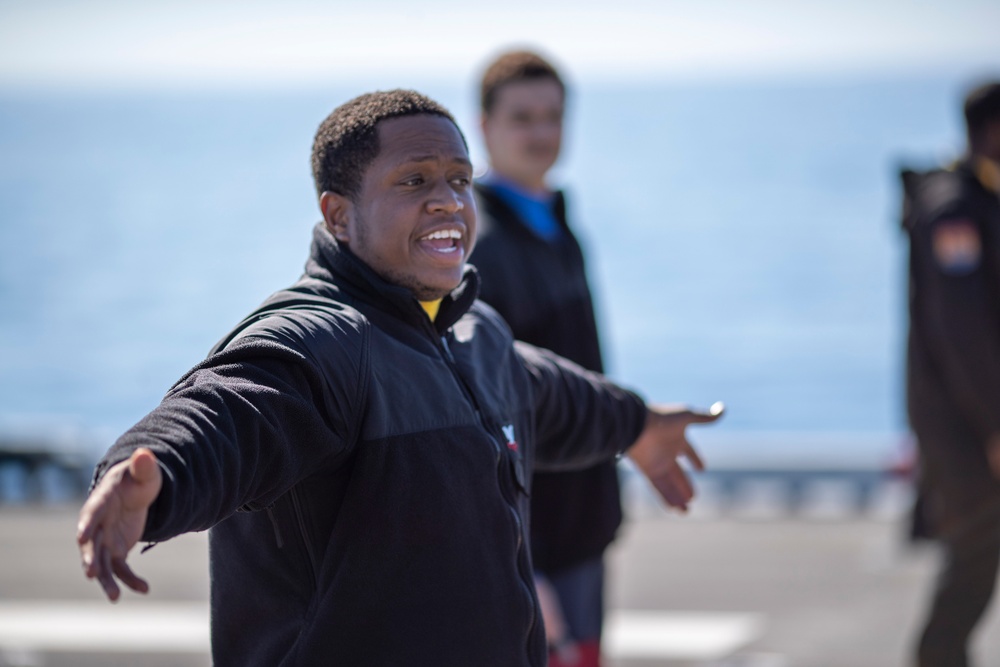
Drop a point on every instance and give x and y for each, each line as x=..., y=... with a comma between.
x=362, y=445
x=952, y=216
x=533, y=272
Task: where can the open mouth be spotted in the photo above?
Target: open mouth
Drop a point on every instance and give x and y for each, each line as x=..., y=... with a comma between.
x=444, y=241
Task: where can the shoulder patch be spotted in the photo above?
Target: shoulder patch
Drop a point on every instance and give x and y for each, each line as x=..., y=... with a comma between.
x=957, y=246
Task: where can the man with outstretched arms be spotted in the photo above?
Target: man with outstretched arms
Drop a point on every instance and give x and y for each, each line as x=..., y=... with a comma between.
x=361, y=447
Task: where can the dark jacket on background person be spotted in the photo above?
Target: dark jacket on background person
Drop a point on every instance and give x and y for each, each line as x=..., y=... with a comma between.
x=540, y=288
x=365, y=473
x=953, y=351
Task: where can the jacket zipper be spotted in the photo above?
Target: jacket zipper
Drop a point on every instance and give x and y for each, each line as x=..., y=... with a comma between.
x=510, y=504
x=453, y=367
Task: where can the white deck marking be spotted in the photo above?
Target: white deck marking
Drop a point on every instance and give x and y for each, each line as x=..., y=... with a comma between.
x=678, y=635
x=183, y=627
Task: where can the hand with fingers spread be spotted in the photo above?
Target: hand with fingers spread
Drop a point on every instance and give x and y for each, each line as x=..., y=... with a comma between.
x=663, y=442
x=113, y=518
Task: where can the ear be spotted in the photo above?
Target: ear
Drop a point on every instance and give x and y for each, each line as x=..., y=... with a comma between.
x=336, y=210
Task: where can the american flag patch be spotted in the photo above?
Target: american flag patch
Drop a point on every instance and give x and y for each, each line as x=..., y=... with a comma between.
x=957, y=246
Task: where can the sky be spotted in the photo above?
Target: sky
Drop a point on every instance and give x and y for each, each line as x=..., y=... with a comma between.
x=298, y=43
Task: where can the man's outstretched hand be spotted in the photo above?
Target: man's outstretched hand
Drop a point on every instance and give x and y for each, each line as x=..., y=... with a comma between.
x=113, y=518
x=663, y=442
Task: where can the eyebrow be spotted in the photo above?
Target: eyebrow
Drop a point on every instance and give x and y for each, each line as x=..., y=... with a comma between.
x=432, y=157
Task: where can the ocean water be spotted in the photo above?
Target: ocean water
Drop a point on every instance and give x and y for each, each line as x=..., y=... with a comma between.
x=742, y=238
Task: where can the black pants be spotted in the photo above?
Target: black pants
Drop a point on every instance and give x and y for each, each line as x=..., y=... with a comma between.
x=965, y=583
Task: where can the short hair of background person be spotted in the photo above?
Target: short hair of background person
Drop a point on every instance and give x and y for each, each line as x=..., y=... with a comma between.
x=982, y=108
x=511, y=67
x=347, y=140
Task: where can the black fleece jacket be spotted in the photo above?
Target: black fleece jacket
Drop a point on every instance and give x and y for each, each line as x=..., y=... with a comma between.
x=365, y=473
x=540, y=288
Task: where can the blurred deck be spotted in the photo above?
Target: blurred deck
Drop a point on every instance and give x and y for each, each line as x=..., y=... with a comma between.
x=748, y=589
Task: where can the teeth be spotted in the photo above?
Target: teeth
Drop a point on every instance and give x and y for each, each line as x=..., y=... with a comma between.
x=445, y=234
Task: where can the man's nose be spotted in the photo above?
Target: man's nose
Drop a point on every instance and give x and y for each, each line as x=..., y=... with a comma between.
x=445, y=199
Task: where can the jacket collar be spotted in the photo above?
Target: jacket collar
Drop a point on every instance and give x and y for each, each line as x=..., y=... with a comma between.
x=503, y=214
x=331, y=262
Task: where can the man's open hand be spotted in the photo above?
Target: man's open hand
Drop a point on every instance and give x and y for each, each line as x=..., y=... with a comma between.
x=113, y=518
x=663, y=442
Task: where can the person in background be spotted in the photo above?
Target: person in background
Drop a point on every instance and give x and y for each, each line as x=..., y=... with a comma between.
x=361, y=446
x=533, y=273
x=952, y=217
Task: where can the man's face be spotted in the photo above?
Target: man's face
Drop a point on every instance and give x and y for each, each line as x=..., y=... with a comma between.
x=414, y=219
x=523, y=130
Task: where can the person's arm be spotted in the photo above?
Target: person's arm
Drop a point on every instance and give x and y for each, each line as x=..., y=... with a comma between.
x=236, y=433
x=556, y=629
x=583, y=418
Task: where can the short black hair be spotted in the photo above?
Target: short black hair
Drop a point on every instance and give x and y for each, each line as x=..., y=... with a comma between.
x=982, y=107
x=511, y=67
x=347, y=140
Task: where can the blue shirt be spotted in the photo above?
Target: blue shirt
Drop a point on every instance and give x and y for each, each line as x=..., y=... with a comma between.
x=536, y=210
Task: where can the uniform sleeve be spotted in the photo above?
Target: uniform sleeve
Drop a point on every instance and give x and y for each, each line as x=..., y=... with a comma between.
x=581, y=417
x=958, y=313
x=248, y=423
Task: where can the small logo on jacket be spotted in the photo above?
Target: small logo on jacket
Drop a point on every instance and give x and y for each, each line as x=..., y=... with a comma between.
x=508, y=432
